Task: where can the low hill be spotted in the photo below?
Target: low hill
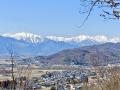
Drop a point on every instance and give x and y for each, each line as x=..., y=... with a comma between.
x=96, y=55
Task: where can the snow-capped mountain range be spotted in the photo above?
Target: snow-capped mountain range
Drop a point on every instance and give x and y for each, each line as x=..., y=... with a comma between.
x=33, y=38
x=29, y=37
x=31, y=44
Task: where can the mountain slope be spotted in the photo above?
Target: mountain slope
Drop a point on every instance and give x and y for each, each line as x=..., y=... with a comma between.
x=21, y=47
x=97, y=54
x=31, y=44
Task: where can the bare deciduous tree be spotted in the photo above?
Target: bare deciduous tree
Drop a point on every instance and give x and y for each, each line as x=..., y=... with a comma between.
x=109, y=9
x=12, y=58
x=22, y=76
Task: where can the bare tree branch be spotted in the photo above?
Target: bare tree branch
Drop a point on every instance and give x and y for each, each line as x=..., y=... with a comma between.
x=89, y=12
x=109, y=9
x=12, y=56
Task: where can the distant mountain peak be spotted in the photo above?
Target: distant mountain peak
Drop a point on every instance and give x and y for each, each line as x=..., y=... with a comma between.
x=25, y=36
x=80, y=38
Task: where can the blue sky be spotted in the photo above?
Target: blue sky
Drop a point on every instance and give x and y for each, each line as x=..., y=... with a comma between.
x=52, y=17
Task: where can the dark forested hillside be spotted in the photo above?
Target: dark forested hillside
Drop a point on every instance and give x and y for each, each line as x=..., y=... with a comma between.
x=97, y=54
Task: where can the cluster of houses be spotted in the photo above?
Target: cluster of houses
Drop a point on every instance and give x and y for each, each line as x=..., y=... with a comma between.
x=58, y=80
x=64, y=80
x=71, y=79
